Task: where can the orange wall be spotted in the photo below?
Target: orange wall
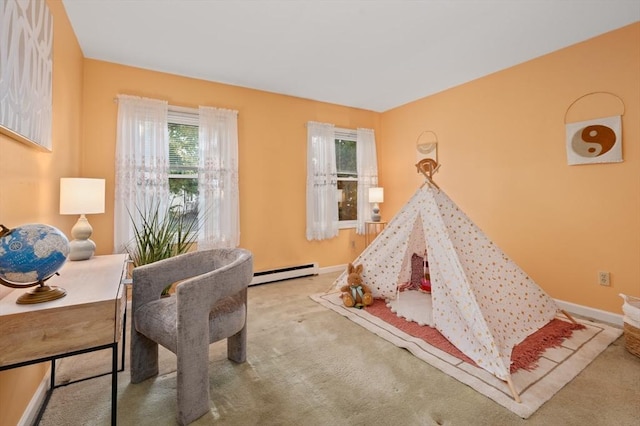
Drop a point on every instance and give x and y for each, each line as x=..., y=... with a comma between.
x=502, y=150
x=272, y=151
x=29, y=183
x=501, y=146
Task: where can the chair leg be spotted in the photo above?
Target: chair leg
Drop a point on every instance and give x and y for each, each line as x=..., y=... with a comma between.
x=144, y=357
x=237, y=346
x=193, y=383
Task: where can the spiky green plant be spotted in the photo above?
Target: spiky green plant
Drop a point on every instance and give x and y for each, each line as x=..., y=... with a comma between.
x=161, y=233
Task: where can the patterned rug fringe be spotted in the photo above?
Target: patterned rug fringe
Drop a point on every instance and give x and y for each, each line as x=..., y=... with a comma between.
x=525, y=355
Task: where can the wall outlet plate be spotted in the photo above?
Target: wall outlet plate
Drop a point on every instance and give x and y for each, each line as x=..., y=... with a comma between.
x=604, y=278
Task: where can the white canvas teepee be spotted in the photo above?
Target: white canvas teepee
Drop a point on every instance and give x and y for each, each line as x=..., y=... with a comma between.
x=482, y=301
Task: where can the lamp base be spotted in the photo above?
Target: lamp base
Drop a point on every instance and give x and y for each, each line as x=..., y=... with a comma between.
x=81, y=249
x=42, y=293
x=375, y=216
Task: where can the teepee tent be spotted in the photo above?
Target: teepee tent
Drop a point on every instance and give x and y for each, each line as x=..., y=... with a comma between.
x=482, y=302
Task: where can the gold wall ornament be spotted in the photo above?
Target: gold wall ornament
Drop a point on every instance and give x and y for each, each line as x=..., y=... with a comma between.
x=428, y=168
x=427, y=146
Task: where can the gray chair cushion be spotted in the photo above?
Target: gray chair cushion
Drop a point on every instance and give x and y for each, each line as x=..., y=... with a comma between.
x=157, y=320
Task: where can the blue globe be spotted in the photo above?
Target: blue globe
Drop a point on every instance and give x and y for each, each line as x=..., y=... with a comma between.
x=31, y=253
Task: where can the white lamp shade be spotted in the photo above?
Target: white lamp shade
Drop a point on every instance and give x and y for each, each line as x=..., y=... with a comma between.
x=376, y=195
x=81, y=196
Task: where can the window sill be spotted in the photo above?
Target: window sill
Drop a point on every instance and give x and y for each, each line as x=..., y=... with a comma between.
x=347, y=224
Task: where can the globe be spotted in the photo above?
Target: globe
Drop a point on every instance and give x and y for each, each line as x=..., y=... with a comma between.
x=30, y=254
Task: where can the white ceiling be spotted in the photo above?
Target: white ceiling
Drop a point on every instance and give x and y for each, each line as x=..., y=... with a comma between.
x=375, y=54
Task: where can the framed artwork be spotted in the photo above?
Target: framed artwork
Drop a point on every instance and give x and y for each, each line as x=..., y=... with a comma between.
x=590, y=140
x=26, y=67
x=594, y=141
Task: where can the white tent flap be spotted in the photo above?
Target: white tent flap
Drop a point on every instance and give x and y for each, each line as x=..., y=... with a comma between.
x=483, y=302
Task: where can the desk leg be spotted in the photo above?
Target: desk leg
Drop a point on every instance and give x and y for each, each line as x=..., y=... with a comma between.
x=124, y=337
x=47, y=397
x=53, y=374
x=114, y=384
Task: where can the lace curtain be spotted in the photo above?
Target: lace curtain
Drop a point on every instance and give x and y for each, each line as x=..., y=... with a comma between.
x=367, y=164
x=218, y=179
x=322, y=206
x=142, y=162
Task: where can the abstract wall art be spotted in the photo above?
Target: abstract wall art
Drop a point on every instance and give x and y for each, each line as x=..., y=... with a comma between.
x=597, y=136
x=26, y=66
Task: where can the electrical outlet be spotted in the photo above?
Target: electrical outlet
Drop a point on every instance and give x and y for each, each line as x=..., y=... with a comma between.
x=604, y=278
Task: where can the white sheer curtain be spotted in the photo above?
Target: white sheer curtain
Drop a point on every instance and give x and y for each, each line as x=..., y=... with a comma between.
x=218, y=179
x=367, y=163
x=142, y=162
x=322, y=180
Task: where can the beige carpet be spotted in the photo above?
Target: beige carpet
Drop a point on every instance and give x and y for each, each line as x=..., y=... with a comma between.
x=556, y=367
x=308, y=366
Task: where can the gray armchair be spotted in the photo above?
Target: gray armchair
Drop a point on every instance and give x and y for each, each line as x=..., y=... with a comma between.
x=210, y=304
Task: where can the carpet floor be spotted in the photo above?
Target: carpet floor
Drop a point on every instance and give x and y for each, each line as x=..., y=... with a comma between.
x=555, y=368
x=308, y=366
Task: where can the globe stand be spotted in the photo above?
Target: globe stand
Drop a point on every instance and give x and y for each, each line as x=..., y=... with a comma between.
x=18, y=251
x=42, y=293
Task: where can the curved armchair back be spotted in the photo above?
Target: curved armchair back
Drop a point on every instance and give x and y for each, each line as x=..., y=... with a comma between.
x=233, y=273
x=149, y=280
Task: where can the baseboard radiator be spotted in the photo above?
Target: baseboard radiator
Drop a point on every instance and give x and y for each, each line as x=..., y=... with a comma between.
x=280, y=274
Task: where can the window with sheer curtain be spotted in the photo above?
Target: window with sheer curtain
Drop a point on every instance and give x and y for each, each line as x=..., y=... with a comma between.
x=142, y=162
x=341, y=167
x=184, y=159
x=219, y=196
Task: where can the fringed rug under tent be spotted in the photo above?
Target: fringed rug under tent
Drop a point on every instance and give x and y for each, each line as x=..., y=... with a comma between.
x=536, y=382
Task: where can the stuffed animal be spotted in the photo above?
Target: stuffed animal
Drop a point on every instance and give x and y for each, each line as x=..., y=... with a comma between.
x=356, y=293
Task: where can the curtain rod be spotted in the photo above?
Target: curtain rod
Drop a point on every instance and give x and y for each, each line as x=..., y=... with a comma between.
x=185, y=109
x=339, y=129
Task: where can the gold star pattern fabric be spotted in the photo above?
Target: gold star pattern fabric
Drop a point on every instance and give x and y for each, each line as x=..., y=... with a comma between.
x=482, y=301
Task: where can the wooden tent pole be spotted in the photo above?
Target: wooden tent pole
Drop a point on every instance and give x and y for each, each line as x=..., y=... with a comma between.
x=513, y=390
x=568, y=316
x=428, y=167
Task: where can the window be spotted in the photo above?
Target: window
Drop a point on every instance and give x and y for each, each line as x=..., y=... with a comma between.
x=341, y=167
x=183, y=163
x=346, y=166
x=191, y=170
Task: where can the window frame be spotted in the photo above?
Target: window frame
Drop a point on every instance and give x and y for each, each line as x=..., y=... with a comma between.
x=189, y=117
x=348, y=135
x=185, y=116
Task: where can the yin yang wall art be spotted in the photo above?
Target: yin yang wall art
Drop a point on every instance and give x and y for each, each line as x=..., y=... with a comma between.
x=594, y=141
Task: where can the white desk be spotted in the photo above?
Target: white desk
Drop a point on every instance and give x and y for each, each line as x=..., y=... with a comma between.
x=90, y=317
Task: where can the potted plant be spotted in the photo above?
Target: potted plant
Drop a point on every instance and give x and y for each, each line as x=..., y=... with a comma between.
x=160, y=233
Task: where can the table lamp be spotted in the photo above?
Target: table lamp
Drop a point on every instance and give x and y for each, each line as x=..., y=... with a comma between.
x=81, y=196
x=376, y=195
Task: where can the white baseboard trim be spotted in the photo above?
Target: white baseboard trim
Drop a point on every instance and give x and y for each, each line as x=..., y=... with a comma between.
x=587, y=312
x=330, y=269
x=31, y=412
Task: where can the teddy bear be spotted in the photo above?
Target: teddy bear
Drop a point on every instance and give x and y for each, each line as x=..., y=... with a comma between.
x=356, y=293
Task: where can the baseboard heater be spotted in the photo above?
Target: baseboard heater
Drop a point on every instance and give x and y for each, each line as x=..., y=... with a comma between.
x=280, y=274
